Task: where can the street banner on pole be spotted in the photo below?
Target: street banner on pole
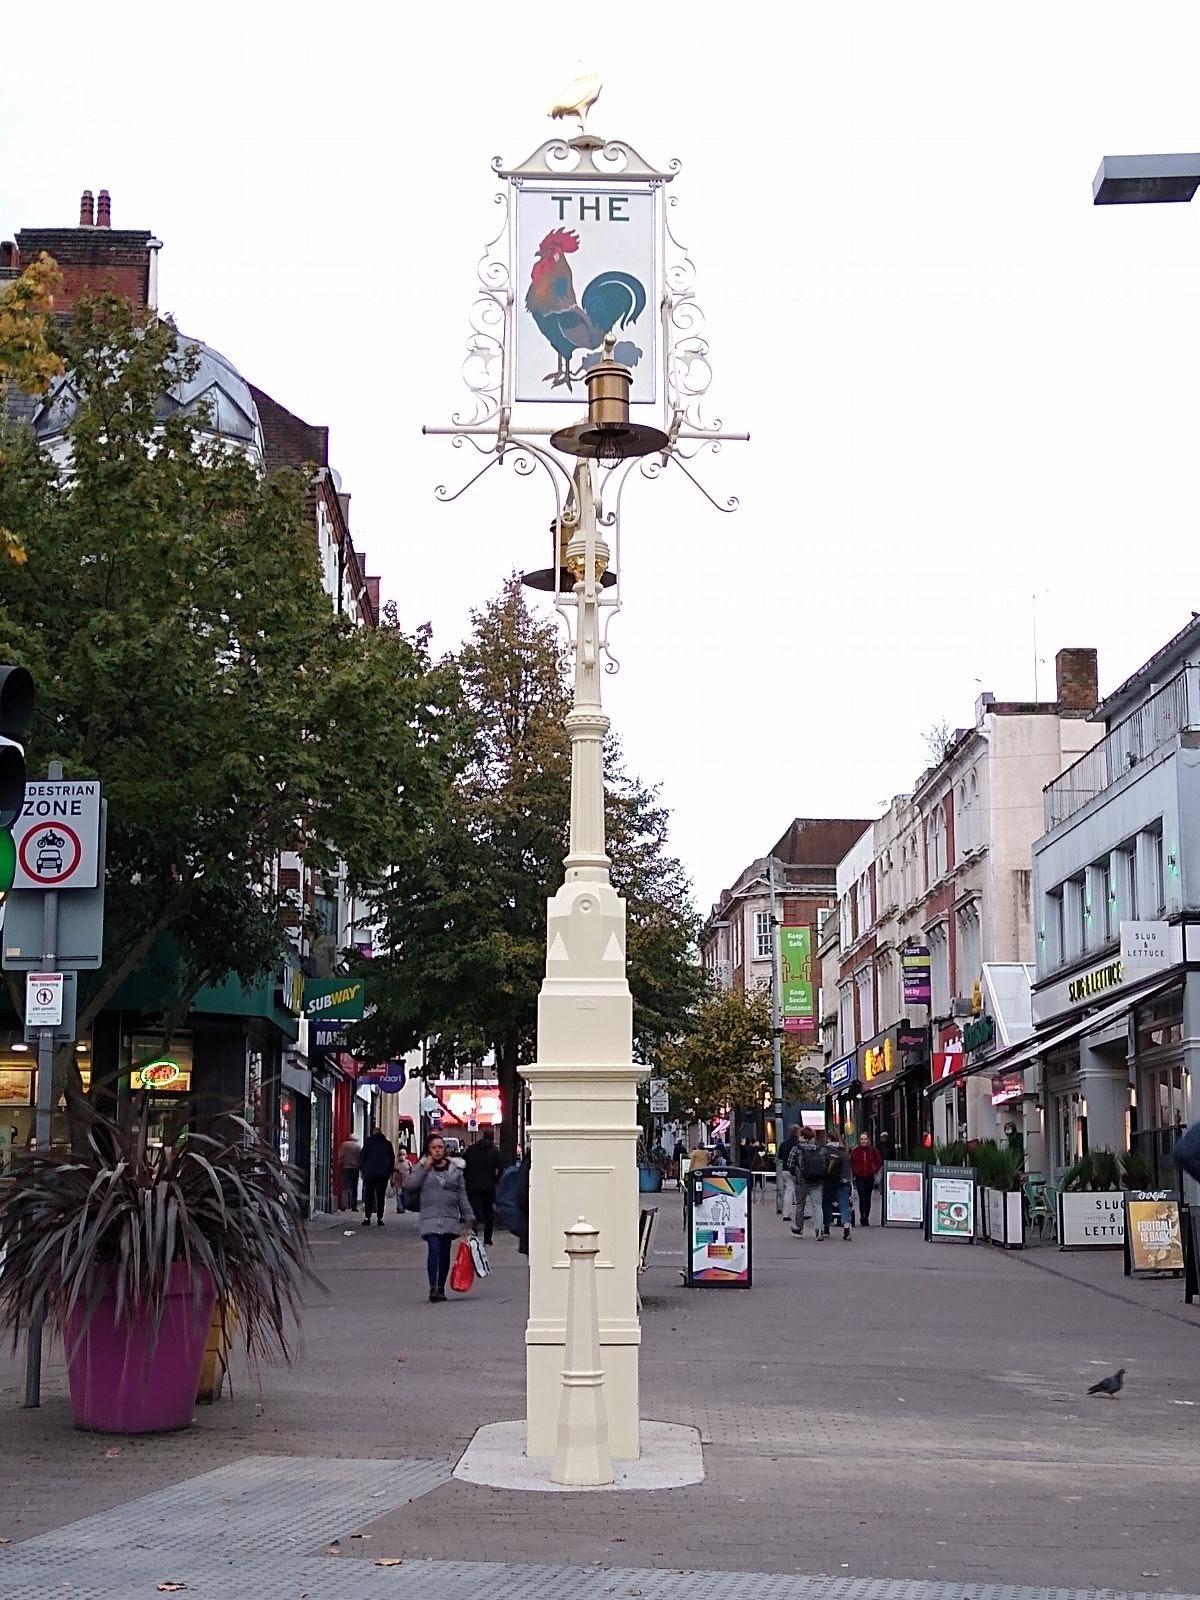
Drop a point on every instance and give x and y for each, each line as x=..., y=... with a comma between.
x=660, y=1100
x=914, y=965
x=796, y=985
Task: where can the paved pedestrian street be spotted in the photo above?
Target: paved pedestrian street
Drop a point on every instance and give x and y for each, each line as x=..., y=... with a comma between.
x=898, y=1420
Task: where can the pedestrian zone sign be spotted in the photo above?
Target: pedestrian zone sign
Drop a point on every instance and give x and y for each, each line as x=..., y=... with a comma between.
x=57, y=836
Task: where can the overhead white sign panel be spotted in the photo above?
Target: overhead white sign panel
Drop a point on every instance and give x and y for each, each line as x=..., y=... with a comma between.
x=586, y=269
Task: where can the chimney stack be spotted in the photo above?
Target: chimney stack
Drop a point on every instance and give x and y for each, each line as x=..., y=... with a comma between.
x=103, y=210
x=87, y=215
x=1077, y=677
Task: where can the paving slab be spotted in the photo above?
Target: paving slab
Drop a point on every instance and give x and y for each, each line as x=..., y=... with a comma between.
x=884, y=1411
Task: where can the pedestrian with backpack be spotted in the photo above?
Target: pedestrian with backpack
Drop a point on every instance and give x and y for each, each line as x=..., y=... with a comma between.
x=807, y=1166
x=835, y=1191
x=445, y=1210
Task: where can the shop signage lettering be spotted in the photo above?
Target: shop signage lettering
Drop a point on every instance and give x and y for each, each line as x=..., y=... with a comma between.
x=979, y=1034
x=914, y=965
x=1106, y=977
x=1007, y=1086
x=910, y=1041
x=334, y=997
x=1091, y=1219
x=292, y=990
x=879, y=1060
x=1145, y=947
x=840, y=1073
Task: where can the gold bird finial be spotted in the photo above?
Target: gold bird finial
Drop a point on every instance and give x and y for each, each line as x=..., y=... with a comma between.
x=579, y=99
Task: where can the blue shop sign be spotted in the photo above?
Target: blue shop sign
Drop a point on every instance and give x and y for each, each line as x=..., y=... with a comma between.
x=840, y=1074
x=327, y=1035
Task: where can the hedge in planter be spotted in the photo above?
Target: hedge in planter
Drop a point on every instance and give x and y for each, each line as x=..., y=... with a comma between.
x=130, y=1247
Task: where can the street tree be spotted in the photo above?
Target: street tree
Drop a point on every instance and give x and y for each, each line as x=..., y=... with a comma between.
x=724, y=1058
x=27, y=361
x=185, y=654
x=464, y=947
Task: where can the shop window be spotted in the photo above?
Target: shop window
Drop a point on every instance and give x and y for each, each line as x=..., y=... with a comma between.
x=1056, y=950
x=762, y=935
x=866, y=1002
x=1108, y=913
x=1158, y=878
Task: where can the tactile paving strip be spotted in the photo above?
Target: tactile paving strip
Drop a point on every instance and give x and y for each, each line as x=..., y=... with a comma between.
x=255, y=1528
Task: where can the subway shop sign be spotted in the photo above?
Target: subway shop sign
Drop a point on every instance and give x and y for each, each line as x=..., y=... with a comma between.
x=334, y=999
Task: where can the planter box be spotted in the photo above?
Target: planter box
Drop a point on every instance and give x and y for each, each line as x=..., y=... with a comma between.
x=122, y=1380
x=1091, y=1219
x=1005, y=1218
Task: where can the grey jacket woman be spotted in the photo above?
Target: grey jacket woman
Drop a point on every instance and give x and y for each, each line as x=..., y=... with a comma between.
x=444, y=1204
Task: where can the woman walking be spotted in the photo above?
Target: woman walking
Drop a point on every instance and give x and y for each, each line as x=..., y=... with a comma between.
x=445, y=1210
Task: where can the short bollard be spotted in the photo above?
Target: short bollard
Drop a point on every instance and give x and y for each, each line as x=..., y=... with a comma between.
x=582, y=1456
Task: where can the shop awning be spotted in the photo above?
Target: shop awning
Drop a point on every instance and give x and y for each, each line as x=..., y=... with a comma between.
x=1021, y=1055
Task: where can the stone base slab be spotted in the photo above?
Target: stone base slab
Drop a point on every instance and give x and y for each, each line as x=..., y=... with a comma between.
x=672, y=1457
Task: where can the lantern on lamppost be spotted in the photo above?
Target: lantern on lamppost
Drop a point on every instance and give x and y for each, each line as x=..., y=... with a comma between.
x=585, y=266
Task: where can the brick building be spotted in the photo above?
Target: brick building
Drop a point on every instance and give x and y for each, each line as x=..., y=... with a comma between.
x=735, y=941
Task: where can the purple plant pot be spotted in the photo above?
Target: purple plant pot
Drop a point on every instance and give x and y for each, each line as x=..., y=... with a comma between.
x=119, y=1384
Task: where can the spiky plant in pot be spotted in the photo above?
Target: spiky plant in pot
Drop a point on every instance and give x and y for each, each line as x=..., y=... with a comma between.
x=130, y=1246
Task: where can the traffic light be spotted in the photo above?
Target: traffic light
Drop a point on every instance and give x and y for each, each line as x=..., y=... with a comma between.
x=16, y=709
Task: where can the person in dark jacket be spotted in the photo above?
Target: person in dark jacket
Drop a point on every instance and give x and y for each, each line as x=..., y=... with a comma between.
x=444, y=1210
x=483, y=1165
x=835, y=1190
x=523, y=1203
x=785, y=1184
x=376, y=1162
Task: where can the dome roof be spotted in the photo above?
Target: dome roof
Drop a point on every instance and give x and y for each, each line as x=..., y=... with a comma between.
x=216, y=383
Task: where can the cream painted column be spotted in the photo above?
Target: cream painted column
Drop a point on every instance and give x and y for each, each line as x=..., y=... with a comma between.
x=583, y=1124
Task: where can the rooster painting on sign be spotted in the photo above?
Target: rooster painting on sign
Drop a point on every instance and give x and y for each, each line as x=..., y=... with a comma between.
x=578, y=324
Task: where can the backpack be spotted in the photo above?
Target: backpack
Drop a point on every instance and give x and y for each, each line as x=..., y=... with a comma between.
x=812, y=1164
x=833, y=1167
x=508, y=1200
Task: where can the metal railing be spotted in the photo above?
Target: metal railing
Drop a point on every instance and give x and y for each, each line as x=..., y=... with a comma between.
x=1176, y=706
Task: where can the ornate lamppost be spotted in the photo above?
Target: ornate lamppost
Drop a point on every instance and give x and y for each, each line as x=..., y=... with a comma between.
x=585, y=271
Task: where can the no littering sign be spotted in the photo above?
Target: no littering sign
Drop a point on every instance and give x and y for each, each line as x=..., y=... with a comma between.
x=43, y=999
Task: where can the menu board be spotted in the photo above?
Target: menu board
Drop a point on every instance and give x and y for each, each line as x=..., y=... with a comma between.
x=903, y=1192
x=1153, y=1236
x=719, y=1227
x=951, y=1213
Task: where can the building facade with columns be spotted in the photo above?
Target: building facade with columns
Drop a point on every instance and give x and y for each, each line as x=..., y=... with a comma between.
x=935, y=914
x=1118, y=1021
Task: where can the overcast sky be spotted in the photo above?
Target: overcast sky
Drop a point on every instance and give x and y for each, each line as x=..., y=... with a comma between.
x=964, y=383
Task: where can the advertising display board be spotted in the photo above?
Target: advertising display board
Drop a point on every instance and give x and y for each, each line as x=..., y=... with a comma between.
x=903, y=1193
x=1091, y=1220
x=1153, y=1234
x=1004, y=1217
x=950, y=1204
x=718, y=1217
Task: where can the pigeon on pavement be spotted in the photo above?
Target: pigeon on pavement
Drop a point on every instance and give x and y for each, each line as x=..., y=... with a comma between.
x=1110, y=1386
